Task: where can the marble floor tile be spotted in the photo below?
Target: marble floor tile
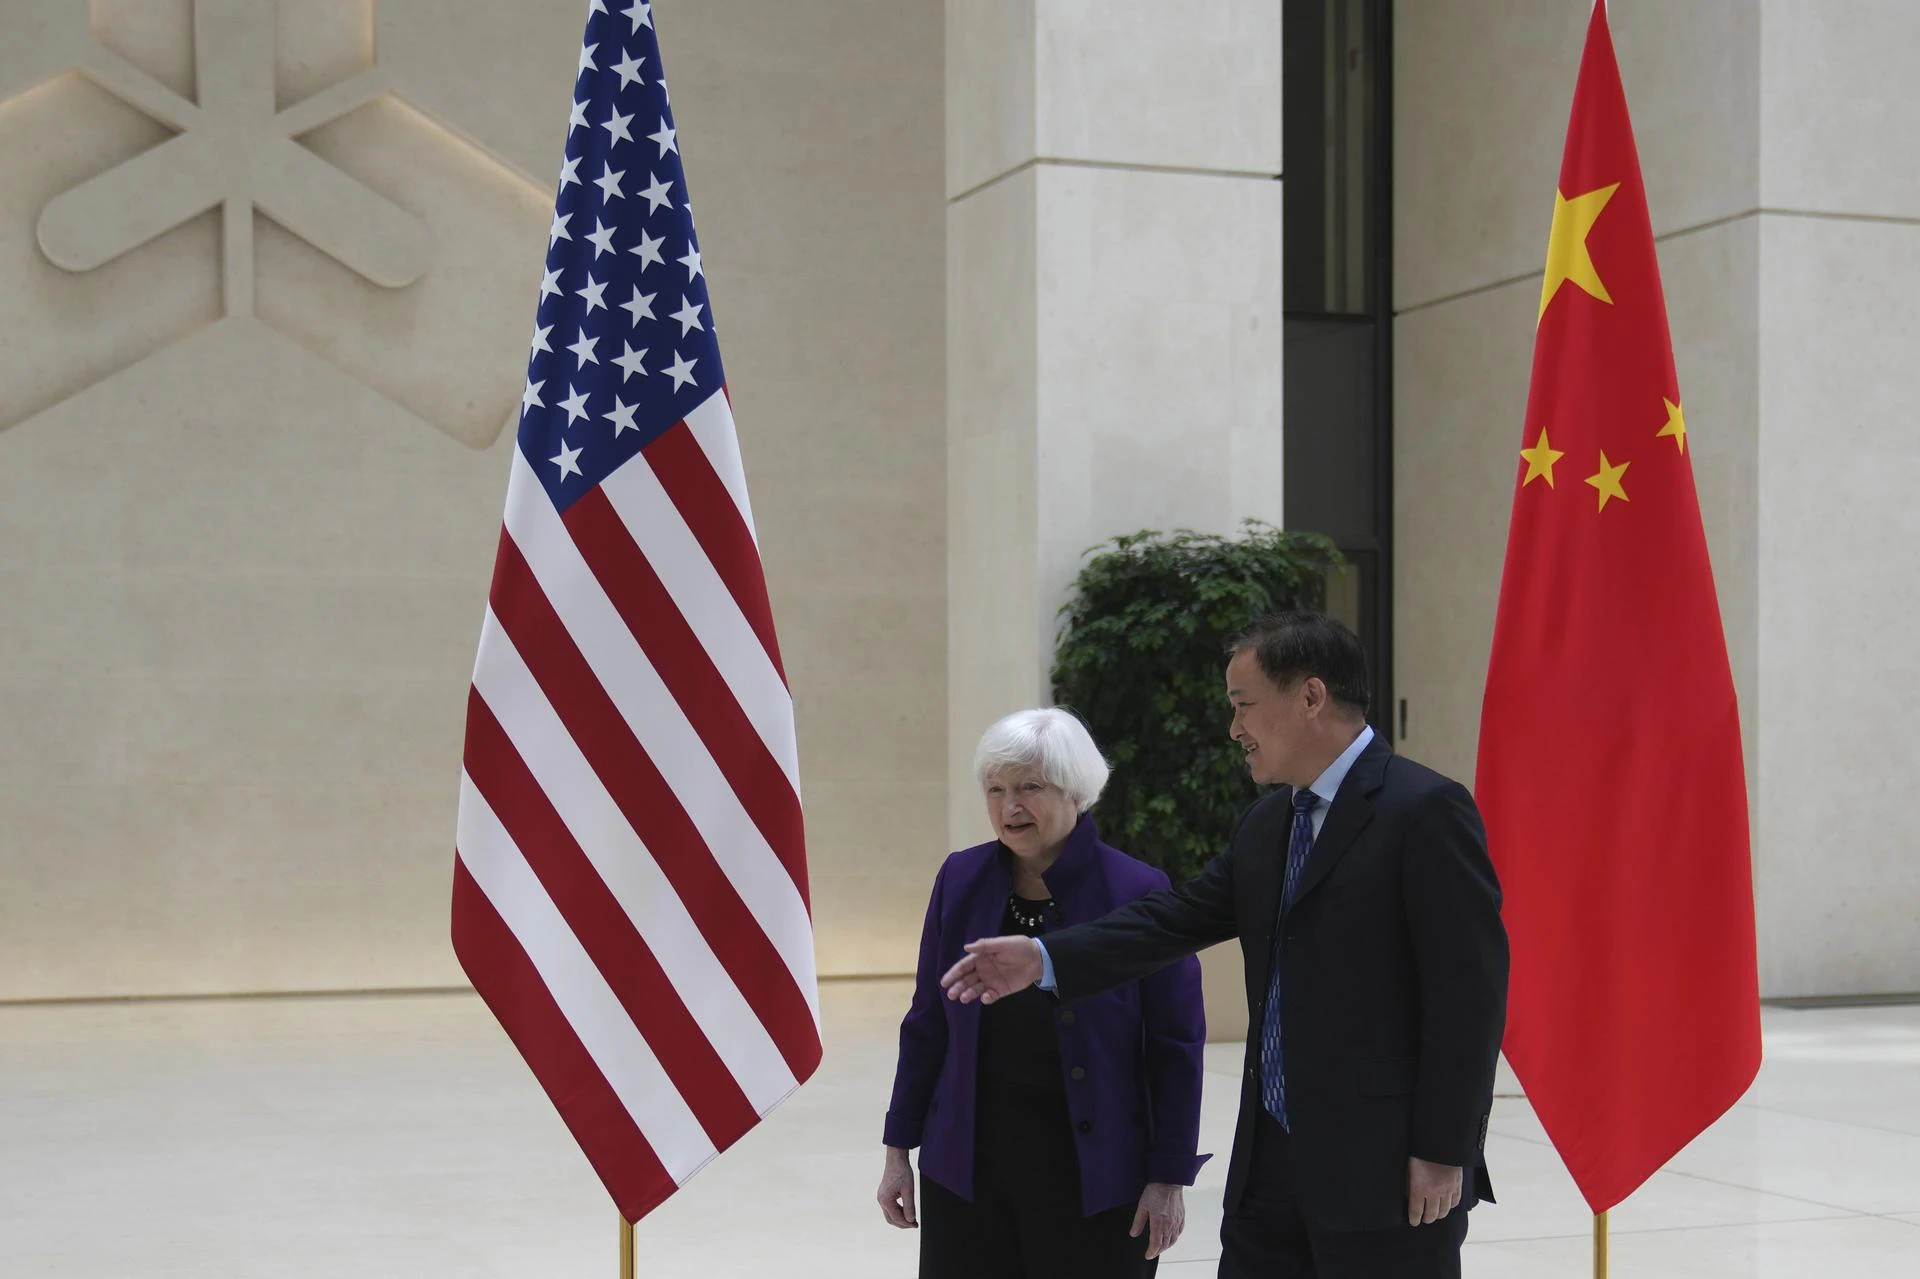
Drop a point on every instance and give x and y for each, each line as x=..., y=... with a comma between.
x=1539, y=1200
x=373, y=1137
x=1844, y=1248
x=1849, y=1065
x=1868, y=1170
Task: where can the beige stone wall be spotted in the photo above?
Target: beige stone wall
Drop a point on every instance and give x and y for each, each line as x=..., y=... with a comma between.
x=249, y=497
x=1789, y=245
x=1114, y=311
x=1839, y=530
x=1114, y=318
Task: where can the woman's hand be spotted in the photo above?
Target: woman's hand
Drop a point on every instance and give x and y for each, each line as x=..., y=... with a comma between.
x=1163, y=1213
x=896, y=1191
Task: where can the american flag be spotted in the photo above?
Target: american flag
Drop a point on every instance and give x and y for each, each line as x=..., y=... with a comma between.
x=630, y=885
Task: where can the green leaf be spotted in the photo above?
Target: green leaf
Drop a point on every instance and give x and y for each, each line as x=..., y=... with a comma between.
x=1139, y=658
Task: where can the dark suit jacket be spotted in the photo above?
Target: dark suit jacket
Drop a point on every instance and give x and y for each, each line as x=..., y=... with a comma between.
x=1130, y=1056
x=1394, y=972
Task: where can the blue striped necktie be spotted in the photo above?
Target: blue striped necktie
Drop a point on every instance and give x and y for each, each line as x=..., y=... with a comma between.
x=1273, y=1081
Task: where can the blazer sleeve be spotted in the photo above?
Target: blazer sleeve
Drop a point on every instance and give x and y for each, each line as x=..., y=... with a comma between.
x=1460, y=954
x=923, y=1035
x=1144, y=936
x=1174, y=1033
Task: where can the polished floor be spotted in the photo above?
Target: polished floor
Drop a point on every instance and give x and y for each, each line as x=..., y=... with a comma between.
x=400, y=1136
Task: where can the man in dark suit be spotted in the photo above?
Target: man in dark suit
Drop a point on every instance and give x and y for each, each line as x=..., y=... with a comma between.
x=1368, y=915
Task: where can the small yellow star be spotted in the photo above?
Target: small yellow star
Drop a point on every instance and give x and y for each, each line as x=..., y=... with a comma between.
x=1608, y=481
x=1676, y=424
x=1567, y=256
x=1540, y=459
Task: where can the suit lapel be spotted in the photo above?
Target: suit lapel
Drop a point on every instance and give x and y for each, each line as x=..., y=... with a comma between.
x=1265, y=865
x=1352, y=810
x=1271, y=867
x=985, y=906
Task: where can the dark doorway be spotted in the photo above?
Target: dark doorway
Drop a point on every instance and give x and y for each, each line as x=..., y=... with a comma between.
x=1338, y=251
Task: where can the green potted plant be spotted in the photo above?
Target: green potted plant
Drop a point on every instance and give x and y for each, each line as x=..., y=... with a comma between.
x=1140, y=657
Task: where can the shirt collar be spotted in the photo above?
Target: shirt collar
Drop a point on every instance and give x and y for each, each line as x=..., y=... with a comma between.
x=1327, y=785
x=1078, y=856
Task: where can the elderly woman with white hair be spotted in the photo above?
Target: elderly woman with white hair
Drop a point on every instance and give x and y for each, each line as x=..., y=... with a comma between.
x=1054, y=1142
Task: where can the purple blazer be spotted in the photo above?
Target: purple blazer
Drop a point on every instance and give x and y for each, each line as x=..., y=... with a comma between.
x=1131, y=1057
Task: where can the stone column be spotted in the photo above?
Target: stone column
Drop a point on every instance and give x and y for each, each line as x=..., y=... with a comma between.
x=1837, y=545
x=1113, y=310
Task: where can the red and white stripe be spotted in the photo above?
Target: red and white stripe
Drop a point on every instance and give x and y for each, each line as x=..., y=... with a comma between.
x=631, y=892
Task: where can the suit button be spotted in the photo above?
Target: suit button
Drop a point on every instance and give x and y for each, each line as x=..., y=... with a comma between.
x=1086, y=1125
x=1067, y=1018
x=1078, y=1072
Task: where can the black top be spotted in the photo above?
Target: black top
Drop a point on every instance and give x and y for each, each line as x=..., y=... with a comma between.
x=1019, y=1047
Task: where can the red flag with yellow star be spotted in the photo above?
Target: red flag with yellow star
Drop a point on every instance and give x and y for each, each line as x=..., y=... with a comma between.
x=1610, y=772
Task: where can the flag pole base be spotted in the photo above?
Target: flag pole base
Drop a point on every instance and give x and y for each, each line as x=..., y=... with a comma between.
x=626, y=1248
x=1599, y=1247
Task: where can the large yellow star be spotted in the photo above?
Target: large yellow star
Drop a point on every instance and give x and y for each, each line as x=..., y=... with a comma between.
x=1608, y=481
x=1676, y=424
x=1540, y=459
x=1567, y=256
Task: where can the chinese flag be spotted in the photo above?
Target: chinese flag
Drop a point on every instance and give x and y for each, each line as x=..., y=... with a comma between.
x=1610, y=773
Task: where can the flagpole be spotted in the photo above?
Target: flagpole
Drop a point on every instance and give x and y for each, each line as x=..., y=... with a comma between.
x=626, y=1248
x=1599, y=1248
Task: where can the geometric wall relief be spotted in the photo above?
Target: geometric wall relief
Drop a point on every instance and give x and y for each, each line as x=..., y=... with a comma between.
x=251, y=161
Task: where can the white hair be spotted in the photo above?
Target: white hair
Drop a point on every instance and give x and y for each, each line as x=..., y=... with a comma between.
x=1051, y=738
